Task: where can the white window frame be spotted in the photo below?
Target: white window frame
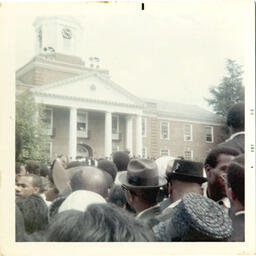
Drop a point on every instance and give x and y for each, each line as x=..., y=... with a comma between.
x=168, y=129
x=144, y=121
x=145, y=151
x=117, y=118
x=211, y=127
x=191, y=153
x=191, y=132
x=164, y=149
x=49, y=131
x=81, y=133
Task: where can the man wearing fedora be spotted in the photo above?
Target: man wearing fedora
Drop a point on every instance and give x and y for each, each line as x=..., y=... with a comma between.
x=141, y=184
x=185, y=177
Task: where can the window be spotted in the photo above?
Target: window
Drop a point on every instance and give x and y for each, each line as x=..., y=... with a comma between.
x=187, y=132
x=144, y=127
x=82, y=124
x=164, y=152
x=115, y=127
x=82, y=152
x=188, y=155
x=144, y=152
x=48, y=120
x=209, y=134
x=164, y=129
x=115, y=124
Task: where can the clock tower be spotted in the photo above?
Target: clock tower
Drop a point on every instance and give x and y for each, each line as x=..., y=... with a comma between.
x=60, y=34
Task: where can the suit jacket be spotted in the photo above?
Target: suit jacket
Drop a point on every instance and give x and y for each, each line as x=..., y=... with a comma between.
x=238, y=228
x=236, y=142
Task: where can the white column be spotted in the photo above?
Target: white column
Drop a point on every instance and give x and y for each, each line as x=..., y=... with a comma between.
x=108, y=134
x=138, y=136
x=128, y=142
x=72, y=133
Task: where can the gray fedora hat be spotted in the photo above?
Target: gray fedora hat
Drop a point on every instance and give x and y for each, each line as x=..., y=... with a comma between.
x=142, y=173
x=187, y=170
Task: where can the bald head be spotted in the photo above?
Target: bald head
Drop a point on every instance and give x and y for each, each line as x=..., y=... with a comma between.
x=178, y=188
x=90, y=178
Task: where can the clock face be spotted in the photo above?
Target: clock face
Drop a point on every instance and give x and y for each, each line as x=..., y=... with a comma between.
x=66, y=33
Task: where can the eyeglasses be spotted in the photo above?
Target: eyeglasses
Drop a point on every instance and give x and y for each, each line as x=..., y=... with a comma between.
x=124, y=188
x=127, y=189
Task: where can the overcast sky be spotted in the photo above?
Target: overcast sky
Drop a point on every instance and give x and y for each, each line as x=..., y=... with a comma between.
x=171, y=50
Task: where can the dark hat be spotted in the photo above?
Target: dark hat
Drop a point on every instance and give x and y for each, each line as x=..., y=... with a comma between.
x=142, y=173
x=121, y=160
x=108, y=166
x=186, y=170
x=197, y=218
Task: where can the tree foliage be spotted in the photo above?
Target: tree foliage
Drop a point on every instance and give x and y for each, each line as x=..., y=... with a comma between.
x=229, y=91
x=31, y=129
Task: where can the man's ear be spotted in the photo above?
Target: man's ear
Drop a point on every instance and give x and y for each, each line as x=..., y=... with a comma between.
x=202, y=191
x=207, y=168
x=170, y=187
x=37, y=190
x=230, y=194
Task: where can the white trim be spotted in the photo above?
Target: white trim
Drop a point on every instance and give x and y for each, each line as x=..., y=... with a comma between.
x=168, y=129
x=190, y=130
x=159, y=116
x=136, y=101
x=85, y=103
x=145, y=127
x=212, y=134
x=191, y=154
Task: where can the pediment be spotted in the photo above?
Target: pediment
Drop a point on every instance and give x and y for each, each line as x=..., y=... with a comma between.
x=92, y=87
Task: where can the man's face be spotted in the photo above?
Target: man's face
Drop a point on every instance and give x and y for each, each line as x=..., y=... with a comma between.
x=215, y=175
x=25, y=186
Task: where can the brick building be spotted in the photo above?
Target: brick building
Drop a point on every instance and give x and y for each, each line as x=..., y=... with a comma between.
x=87, y=114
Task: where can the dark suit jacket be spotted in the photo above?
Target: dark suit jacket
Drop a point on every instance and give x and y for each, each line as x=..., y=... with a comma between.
x=238, y=229
x=237, y=142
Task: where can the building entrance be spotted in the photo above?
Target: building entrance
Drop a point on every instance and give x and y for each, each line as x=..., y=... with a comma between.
x=84, y=151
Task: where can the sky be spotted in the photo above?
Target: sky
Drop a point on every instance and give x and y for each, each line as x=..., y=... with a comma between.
x=173, y=50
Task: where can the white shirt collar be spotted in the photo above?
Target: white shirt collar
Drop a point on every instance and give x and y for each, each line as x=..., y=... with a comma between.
x=234, y=135
x=239, y=213
x=138, y=215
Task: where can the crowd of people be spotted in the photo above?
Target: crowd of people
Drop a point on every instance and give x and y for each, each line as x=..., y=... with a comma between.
x=129, y=199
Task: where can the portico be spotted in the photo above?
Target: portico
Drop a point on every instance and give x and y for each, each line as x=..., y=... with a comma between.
x=114, y=115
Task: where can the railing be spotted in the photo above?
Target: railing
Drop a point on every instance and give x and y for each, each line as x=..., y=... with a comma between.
x=116, y=136
x=83, y=134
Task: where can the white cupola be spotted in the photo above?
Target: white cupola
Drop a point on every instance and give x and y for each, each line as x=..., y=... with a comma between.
x=60, y=34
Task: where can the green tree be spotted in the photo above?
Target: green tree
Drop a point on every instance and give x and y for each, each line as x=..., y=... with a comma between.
x=229, y=91
x=31, y=128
